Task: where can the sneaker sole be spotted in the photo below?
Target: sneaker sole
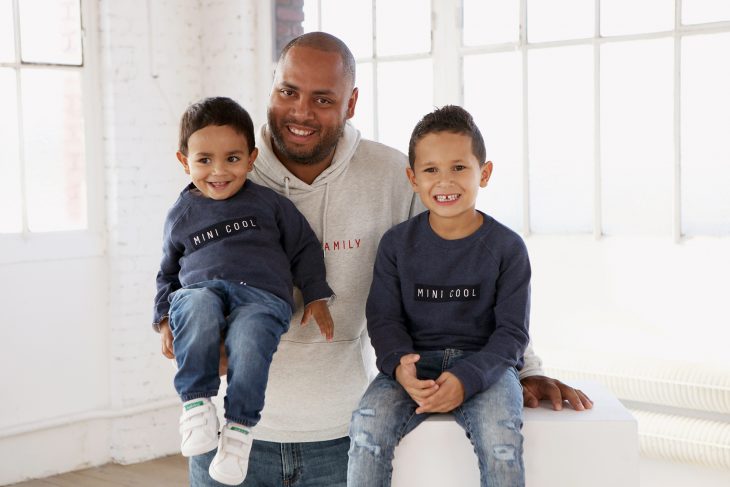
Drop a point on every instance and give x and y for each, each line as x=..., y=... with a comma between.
x=224, y=479
x=199, y=449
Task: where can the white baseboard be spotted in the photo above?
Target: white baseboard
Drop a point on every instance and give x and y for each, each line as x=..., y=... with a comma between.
x=86, y=440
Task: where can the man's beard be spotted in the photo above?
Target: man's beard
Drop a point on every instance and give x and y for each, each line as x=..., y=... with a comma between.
x=306, y=157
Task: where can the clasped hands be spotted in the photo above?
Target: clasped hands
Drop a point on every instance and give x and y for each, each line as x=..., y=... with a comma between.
x=442, y=395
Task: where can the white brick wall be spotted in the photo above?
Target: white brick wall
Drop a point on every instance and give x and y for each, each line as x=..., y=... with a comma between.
x=156, y=57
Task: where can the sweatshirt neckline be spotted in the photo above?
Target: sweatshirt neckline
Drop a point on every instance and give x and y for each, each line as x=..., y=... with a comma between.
x=459, y=242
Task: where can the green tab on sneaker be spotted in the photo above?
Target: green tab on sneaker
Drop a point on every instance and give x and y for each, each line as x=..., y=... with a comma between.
x=193, y=405
x=240, y=430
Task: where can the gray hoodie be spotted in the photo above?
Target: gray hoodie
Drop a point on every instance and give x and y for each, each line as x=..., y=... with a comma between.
x=313, y=385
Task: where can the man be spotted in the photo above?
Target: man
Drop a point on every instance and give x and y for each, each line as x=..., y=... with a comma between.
x=351, y=191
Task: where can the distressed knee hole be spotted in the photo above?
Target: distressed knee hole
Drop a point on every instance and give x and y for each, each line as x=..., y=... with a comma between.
x=365, y=412
x=511, y=424
x=365, y=441
x=504, y=452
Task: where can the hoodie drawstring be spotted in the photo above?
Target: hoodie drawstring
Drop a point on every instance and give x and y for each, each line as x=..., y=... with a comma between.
x=326, y=208
x=286, y=186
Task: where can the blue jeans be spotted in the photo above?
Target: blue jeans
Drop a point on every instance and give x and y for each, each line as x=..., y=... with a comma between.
x=316, y=464
x=252, y=321
x=491, y=419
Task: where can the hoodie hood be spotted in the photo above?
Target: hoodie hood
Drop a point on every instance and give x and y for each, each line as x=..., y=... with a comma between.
x=272, y=173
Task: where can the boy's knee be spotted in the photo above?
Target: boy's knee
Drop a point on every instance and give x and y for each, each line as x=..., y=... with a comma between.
x=361, y=434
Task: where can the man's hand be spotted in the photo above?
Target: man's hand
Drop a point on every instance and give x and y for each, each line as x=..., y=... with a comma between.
x=449, y=396
x=166, y=336
x=321, y=313
x=405, y=374
x=538, y=387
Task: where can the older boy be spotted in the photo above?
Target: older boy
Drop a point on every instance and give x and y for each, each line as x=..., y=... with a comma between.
x=231, y=251
x=448, y=314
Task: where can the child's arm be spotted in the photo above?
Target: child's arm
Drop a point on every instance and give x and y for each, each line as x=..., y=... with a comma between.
x=321, y=313
x=386, y=325
x=506, y=345
x=305, y=253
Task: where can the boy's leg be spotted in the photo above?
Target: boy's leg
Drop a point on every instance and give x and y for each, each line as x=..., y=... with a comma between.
x=386, y=413
x=492, y=420
x=255, y=325
x=196, y=320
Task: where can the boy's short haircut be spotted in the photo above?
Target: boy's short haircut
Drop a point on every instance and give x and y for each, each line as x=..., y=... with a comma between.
x=216, y=111
x=453, y=119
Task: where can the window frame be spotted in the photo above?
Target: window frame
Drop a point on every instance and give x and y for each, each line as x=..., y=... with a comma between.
x=26, y=245
x=447, y=55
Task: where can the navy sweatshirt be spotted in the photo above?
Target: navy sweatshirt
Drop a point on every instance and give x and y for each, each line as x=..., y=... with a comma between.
x=471, y=294
x=256, y=237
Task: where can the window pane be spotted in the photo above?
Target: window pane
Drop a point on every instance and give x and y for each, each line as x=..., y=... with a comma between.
x=699, y=11
x=10, y=196
x=496, y=104
x=405, y=95
x=7, y=41
x=364, y=119
x=311, y=16
x=705, y=129
x=351, y=21
x=54, y=149
x=491, y=21
x=403, y=27
x=636, y=137
x=554, y=20
x=619, y=17
x=50, y=31
x=560, y=131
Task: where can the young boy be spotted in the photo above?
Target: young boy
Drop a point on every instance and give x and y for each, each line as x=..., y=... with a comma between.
x=447, y=314
x=231, y=251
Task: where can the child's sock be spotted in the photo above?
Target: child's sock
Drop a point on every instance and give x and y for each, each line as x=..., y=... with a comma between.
x=198, y=427
x=230, y=464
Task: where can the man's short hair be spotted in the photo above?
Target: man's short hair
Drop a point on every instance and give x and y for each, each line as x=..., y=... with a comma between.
x=453, y=119
x=322, y=41
x=216, y=111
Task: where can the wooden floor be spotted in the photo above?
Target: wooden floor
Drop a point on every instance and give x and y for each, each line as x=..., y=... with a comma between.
x=163, y=472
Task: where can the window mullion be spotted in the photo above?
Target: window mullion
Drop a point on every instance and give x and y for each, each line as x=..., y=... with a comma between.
x=376, y=116
x=525, y=131
x=446, y=34
x=597, y=179
x=19, y=116
x=677, y=193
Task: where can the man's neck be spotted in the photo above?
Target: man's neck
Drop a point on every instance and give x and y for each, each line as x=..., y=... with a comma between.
x=305, y=172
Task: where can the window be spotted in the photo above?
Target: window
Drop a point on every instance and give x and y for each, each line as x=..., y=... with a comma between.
x=42, y=124
x=581, y=102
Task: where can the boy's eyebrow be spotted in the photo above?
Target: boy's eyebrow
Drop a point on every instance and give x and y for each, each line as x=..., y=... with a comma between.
x=234, y=151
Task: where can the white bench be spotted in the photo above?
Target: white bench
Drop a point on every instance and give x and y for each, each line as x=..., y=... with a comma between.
x=597, y=447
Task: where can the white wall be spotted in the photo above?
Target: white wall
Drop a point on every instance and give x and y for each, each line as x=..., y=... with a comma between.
x=81, y=365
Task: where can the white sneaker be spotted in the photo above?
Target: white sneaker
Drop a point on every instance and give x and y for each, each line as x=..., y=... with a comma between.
x=230, y=464
x=198, y=427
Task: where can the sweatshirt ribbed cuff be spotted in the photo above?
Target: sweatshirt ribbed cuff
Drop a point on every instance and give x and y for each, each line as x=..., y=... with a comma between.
x=315, y=291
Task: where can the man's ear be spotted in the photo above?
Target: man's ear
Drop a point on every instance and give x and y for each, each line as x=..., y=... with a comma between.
x=184, y=161
x=351, y=102
x=486, y=173
x=412, y=178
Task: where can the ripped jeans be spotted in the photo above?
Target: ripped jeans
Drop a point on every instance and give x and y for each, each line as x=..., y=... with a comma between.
x=491, y=419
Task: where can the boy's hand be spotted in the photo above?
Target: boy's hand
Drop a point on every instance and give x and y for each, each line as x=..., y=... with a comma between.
x=166, y=336
x=449, y=396
x=321, y=313
x=405, y=374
